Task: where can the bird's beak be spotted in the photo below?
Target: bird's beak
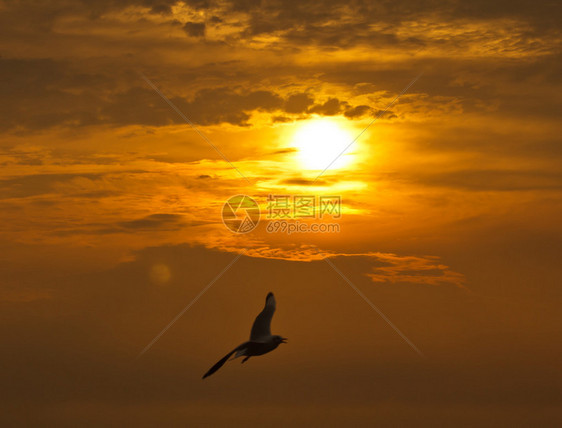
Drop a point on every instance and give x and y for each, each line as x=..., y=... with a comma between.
x=283, y=340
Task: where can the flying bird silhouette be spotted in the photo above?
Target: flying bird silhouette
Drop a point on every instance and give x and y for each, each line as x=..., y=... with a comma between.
x=261, y=341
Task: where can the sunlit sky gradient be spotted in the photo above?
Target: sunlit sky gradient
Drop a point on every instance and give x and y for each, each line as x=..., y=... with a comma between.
x=111, y=211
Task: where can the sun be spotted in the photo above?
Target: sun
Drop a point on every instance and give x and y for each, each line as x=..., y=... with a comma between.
x=319, y=142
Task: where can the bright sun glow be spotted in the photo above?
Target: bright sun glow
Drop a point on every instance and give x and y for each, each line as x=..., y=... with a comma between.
x=319, y=142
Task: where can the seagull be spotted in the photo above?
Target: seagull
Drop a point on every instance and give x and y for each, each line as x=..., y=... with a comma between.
x=261, y=341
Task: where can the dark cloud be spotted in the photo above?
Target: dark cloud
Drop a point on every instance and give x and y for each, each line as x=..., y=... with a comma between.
x=160, y=222
x=40, y=93
x=331, y=107
x=387, y=114
x=154, y=222
x=286, y=150
x=46, y=93
x=160, y=6
x=194, y=29
x=298, y=103
x=37, y=184
x=281, y=119
x=306, y=20
x=226, y=105
x=328, y=23
x=304, y=103
x=357, y=111
x=303, y=182
x=69, y=93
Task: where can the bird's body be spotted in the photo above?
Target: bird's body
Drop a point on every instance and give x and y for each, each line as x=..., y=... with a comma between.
x=261, y=341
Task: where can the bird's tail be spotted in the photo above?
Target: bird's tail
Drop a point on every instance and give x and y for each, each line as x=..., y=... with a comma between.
x=218, y=365
x=224, y=360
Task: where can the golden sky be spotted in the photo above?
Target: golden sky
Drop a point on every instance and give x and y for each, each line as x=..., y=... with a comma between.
x=111, y=211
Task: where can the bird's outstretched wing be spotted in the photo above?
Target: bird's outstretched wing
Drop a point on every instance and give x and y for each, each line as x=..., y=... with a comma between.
x=223, y=360
x=261, y=330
